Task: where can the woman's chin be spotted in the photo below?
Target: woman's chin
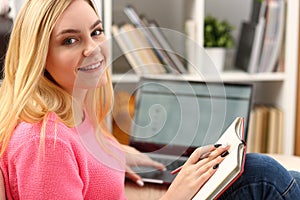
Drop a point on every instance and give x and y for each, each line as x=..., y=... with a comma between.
x=102, y=82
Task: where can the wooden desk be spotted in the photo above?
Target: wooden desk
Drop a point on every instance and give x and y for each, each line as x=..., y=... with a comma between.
x=148, y=191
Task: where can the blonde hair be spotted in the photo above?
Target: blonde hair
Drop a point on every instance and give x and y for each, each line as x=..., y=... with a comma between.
x=26, y=94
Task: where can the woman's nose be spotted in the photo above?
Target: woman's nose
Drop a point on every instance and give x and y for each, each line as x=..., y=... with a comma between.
x=91, y=47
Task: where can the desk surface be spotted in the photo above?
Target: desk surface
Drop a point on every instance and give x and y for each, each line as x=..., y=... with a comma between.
x=148, y=191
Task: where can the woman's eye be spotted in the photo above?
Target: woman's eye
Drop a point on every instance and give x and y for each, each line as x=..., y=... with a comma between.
x=69, y=41
x=97, y=32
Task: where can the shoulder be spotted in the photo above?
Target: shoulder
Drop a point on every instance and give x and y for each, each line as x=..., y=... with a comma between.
x=51, y=126
x=53, y=130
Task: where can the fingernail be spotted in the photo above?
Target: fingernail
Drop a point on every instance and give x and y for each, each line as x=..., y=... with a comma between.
x=216, y=166
x=217, y=145
x=163, y=169
x=225, y=153
x=140, y=183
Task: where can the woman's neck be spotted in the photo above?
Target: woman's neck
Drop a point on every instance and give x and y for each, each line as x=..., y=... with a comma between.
x=78, y=106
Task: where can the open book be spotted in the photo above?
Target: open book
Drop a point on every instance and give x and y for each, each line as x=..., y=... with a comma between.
x=231, y=167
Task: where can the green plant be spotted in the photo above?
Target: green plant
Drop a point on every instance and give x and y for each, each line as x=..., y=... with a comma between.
x=217, y=33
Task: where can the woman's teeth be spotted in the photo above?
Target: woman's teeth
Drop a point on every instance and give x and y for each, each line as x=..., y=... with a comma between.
x=91, y=67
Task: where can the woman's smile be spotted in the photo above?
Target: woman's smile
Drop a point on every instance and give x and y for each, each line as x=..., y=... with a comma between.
x=91, y=68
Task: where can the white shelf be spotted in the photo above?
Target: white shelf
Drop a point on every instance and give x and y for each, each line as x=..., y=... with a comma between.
x=246, y=77
x=230, y=76
x=127, y=78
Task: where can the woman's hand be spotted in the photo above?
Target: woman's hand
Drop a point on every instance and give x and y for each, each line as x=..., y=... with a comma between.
x=196, y=171
x=135, y=158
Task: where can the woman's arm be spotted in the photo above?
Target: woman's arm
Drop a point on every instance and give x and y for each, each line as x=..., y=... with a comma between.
x=46, y=173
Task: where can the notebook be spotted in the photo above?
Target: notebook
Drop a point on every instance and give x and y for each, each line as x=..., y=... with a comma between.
x=231, y=168
x=174, y=117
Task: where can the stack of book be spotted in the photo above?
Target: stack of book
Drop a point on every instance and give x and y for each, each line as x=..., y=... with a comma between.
x=265, y=132
x=145, y=46
x=260, y=42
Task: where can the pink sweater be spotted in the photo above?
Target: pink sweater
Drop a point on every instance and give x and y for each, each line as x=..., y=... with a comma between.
x=72, y=166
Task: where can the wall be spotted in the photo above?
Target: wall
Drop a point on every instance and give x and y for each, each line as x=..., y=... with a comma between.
x=235, y=11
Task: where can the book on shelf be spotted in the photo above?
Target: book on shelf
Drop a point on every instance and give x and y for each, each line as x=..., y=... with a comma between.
x=136, y=50
x=155, y=43
x=261, y=37
x=276, y=137
x=271, y=132
x=232, y=167
x=250, y=136
x=158, y=48
x=121, y=42
x=251, y=39
x=280, y=128
x=275, y=130
x=139, y=57
x=141, y=50
x=166, y=46
x=245, y=46
x=258, y=38
x=273, y=36
x=119, y=61
x=261, y=117
x=265, y=130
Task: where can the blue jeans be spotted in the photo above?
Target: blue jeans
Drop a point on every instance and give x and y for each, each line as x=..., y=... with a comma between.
x=264, y=178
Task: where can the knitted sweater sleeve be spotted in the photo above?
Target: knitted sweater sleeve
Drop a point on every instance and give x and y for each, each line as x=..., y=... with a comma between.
x=49, y=172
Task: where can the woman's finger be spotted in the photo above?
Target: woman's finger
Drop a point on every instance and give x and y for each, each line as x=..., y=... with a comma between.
x=200, y=153
x=212, y=162
x=208, y=172
x=144, y=160
x=134, y=177
x=214, y=154
x=156, y=165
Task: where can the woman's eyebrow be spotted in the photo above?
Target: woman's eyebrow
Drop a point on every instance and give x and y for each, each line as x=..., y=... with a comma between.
x=96, y=24
x=78, y=31
x=67, y=31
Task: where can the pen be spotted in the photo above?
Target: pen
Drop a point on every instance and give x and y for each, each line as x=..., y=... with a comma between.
x=175, y=171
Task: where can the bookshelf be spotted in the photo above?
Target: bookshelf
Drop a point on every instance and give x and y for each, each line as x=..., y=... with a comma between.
x=271, y=88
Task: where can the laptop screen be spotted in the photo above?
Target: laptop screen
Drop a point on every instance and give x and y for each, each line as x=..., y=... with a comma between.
x=178, y=116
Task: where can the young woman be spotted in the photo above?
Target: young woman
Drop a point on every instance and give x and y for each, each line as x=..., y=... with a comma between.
x=54, y=100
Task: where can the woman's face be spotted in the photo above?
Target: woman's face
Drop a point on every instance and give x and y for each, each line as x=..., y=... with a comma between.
x=77, y=51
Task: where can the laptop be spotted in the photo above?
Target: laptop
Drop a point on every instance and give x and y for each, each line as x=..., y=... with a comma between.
x=174, y=117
